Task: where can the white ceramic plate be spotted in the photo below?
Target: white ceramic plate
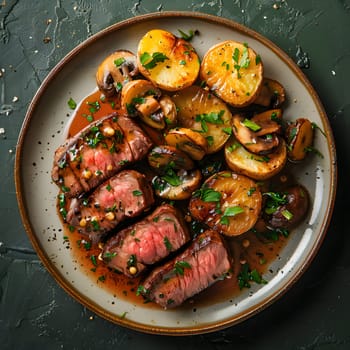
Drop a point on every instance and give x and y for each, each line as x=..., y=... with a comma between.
x=42, y=133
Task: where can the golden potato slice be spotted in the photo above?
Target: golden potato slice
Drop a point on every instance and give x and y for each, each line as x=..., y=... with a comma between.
x=188, y=141
x=200, y=110
x=240, y=160
x=171, y=63
x=227, y=202
x=233, y=71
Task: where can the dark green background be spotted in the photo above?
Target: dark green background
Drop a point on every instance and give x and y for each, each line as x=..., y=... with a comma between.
x=35, y=312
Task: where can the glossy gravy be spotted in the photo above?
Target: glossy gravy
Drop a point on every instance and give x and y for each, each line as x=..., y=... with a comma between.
x=251, y=248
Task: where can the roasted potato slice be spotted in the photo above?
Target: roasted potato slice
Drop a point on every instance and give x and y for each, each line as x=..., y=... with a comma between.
x=171, y=63
x=227, y=202
x=300, y=136
x=188, y=141
x=200, y=110
x=177, y=185
x=272, y=94
x=161, y=157
x=240, y=160
x=233, y=71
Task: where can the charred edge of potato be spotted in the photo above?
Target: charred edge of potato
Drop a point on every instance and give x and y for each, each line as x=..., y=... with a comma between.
x=188, y=141
x=171, y=63
x=257, y=167
x=300, y=138
x=272, y=94
x=234, y=72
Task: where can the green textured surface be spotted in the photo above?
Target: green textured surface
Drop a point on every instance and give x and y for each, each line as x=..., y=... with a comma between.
x=35, y=312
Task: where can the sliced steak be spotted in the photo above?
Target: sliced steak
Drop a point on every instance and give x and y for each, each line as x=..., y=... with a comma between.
x=146, y=242
x=98, y=152
x=205, y=262
x=125, y=195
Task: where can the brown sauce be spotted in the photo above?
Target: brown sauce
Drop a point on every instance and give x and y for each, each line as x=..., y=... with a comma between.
x=250, y=248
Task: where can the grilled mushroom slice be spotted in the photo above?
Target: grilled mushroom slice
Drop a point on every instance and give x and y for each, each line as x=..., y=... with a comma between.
x=115, y=70
x=258, y=134
x=299, y=135
x=177, y=185
x=257, y=167
x=162, y=156
x=272, y=94
x=188, y=141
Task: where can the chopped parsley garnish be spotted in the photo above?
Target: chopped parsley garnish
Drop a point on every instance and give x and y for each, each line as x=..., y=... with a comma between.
x=251, y=125
x=229, y=212
x=207, y=194
x=189, y=36
x=62, y=204
x=72, y=104
x=251, y=191
x=314, y=150
x=233, y=147
x=94, y=137
x=94, y=106
x=137, y=193
x=287, y=214
x=141, y=290
x=241, y=60
x=109, y=255
x=212, y=117
x=274, y=201
x=95, y=225
x=180, y=266
x=246, y=276
x=132, y=261
x=150, y=61
x=93, y=260
x=167, y=244
x=119, y=61
x=257, y=59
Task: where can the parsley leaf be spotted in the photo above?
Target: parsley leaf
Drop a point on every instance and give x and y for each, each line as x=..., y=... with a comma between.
x=150, y=61
x=72, y=104
x=180, y=266
x=189, y=36
x=207, y=194
x=246, y=276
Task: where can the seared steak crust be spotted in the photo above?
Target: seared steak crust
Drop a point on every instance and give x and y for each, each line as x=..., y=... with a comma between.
x=125, y=195
x=147, y=241
x=205, y=262
x=98, y=152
